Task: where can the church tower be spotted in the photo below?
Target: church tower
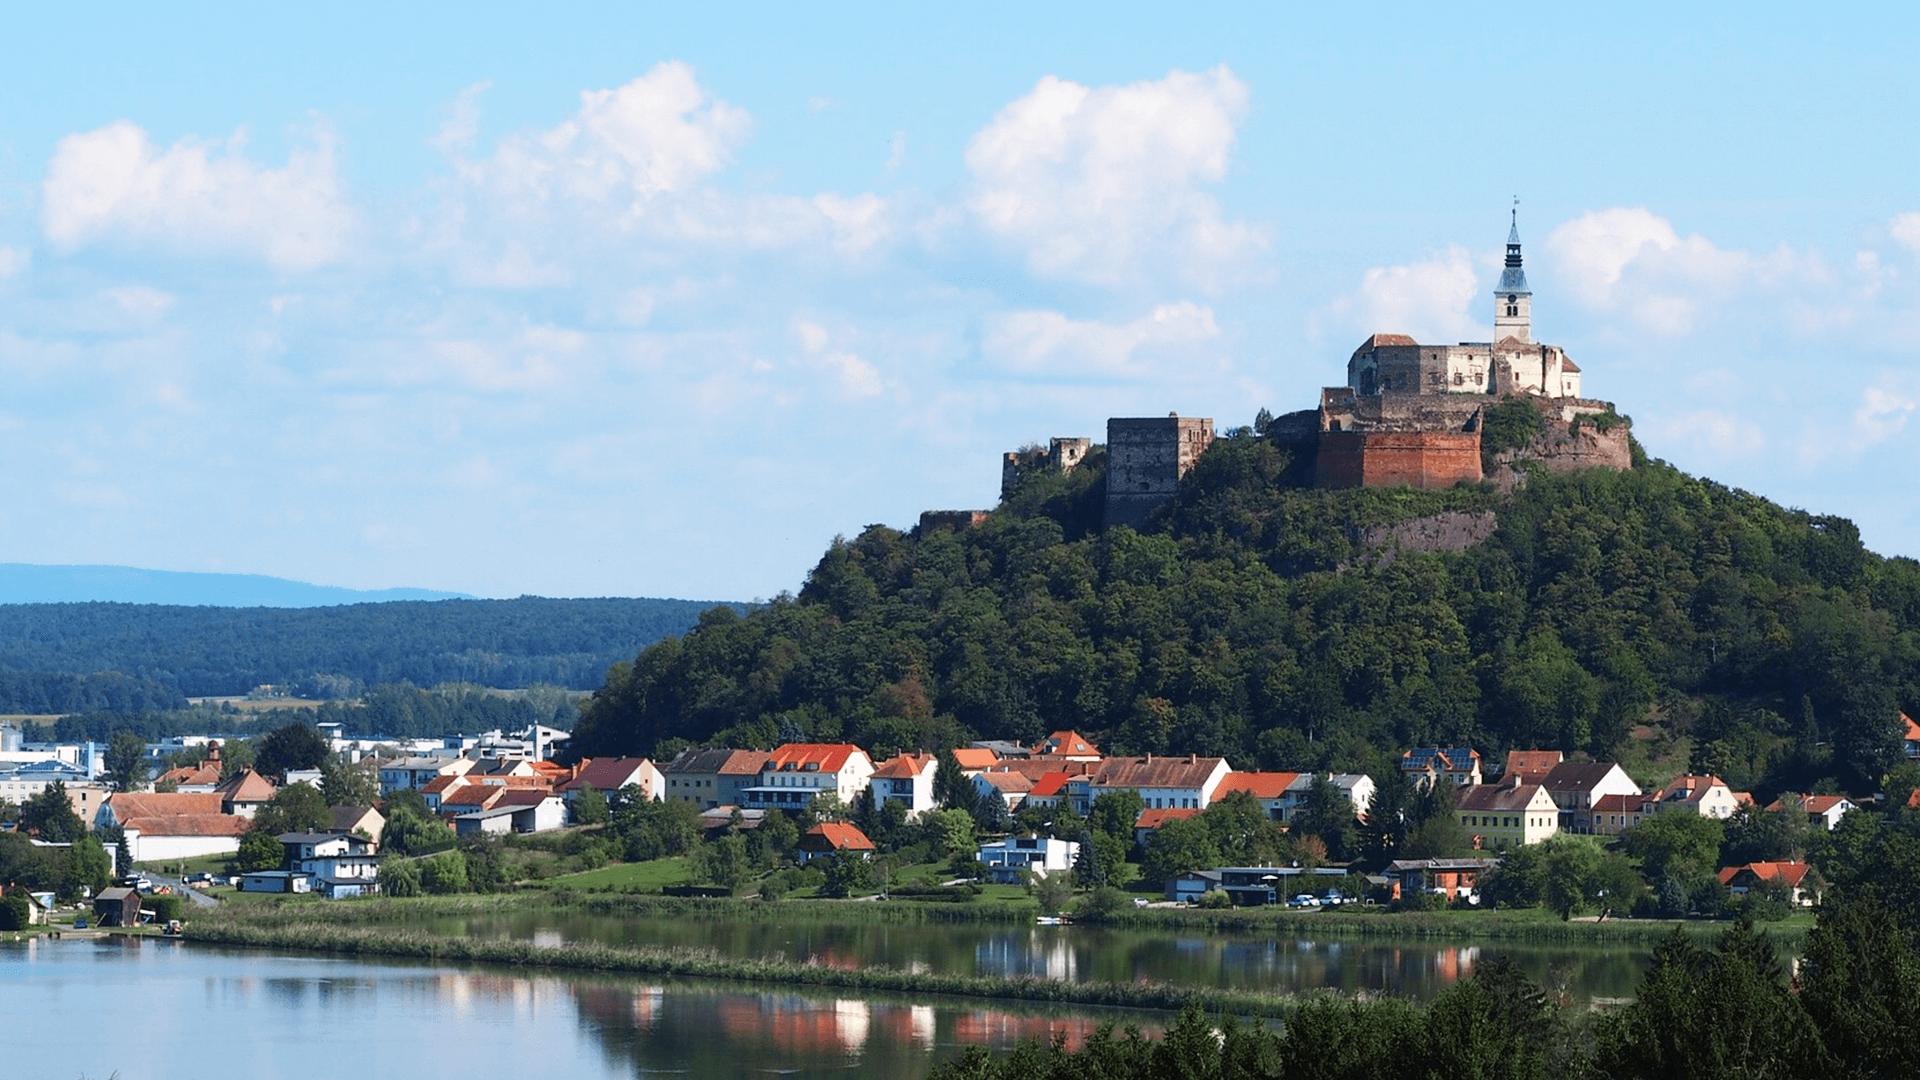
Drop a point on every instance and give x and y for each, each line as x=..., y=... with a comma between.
x=1512, y=302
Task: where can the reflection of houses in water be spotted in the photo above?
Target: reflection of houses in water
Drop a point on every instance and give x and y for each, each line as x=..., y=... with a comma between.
x=906, y=1024
x=640, y=1006
x=1007, y=955
x=991, y=1027
x=797, y=1023
x=549, y=939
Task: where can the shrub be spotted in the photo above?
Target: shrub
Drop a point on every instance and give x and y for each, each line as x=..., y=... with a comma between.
x=16, y=912
x=1215, y=899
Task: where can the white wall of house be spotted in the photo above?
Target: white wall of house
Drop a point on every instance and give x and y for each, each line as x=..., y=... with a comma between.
x=163, y=848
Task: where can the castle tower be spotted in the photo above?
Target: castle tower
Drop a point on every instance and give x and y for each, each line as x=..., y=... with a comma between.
x=1512, y=302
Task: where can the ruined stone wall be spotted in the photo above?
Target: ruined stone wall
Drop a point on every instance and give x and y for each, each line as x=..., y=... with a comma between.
x=1061, y=456
x=1422, y=459
x=931, y=520
x=1146, y=459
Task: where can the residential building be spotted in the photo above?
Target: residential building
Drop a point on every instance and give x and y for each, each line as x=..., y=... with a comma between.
x=829, y=837
x=608, y=775
x=417, y=772
x=245, y=792
x=710, y=778
x=1803, y=886
x=1038, y=855
x=1148, y=822
x=172, y=825
x=797, y=773
x=972, y=759
x=204, y=776
x=1066, y=746
x=1707, y=796
x=1507, y=815
x=1448, y=877
x=22, y=782
x=338, y=864
x=1577, y=787
x=1049, y=791
x=1357, y=787
x=906, y=779
x=1823, y=811
x=1161, y=782
x=359, y=819
x=1615, y=814
x=1456, y=765
x=1006, y=785
x=1269, y=789
x=1255, y=886
x=1529, y=766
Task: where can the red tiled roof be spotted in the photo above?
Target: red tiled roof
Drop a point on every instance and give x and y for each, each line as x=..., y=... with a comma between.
x=475, y=795
x=248, y=786
x=1567, y=364
x=1153, y=819
x=202, y=775
x=1260, y=785
x=1530, y=765
x=1156, y=772
x=1049, y=785
x=128, y=804
x=838, y=836
x=1913, y=729
x=1619, y=804
x=1485, y=798
x=1065, y=744
x=824, y=757
x=1790, y=872
x=439, y=784
x=904, y=767
x=974, y=758
x=215, y=824
x=1378, y=340
x=607, y=774
x=1037, y=768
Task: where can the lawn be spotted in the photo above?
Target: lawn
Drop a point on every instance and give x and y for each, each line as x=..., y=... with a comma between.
x=170, y=870
x=623, y=877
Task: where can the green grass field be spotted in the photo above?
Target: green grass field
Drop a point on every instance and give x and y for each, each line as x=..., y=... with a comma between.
x=623, y=877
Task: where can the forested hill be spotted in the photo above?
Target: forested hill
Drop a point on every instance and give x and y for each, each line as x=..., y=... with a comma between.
x=1621, y=614
x=78, y=657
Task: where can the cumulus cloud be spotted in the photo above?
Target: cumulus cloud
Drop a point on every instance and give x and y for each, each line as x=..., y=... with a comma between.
x=1631, y=261
x=1090, y=182
x=1431, y=301
x=854, y=377
x=1905, y=230
x=113, y=185
x=1047, y=343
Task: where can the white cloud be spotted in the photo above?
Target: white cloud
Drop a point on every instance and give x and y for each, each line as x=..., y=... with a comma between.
x=1047, y=343
x=1712, y=436
x=1431, y=301
x=1905, y=230
x=113, y=185
x=854, y=377
x=1630, y=261
x=142, y=303
x=1093, y=182
x=14, y=260
x=1881, y=415
x=463, y=121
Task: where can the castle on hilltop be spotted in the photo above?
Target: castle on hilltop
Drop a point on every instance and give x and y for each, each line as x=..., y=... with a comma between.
x=1410, y=414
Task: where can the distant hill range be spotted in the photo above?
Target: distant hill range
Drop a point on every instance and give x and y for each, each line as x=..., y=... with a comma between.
x=22, y=583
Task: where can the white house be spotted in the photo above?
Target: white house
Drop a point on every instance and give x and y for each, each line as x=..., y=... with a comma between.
x=1578, y=789
x=1707, y=796
x=1040, y=855
x=1186, y=782
x=1507, y=815
x=907, y=780
x=417, y=772
x=171, y=825
x=797, y=773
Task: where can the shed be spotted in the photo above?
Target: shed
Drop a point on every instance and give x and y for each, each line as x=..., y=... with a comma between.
x=117, y=907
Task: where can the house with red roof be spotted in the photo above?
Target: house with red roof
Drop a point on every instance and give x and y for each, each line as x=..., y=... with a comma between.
x=710, y=778
x=1507, y=815
x=1576, y=787
x=831, y=836
x=1066, y=746
x=172, y=825
x=610, y=774
x=1269, y=789
x=972, y=759
x=1614, y=814
x=1708, y=796
x=906, y=779
x=1048, y=791
x=1149, y=821
x=1803, y=886
x=194, y=778
x=246, y=792
x=797, y=773
x=1006, y=785
x=1186, y=781
x=1823, y=811
x=1529, y=766
x=1911, y=739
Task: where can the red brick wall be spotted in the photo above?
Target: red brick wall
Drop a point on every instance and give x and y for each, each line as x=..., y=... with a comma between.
x=1422, y=459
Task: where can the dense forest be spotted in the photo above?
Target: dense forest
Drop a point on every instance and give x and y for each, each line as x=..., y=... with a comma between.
x=59, y=658
x=1612, y=614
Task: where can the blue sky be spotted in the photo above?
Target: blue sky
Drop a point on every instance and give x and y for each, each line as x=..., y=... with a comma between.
x=634, y=300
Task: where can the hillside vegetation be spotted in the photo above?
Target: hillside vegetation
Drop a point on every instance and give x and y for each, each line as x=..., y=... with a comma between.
x=1250, y=621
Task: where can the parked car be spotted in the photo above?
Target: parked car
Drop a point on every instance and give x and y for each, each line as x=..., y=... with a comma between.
x=1304, y=900
x=1332, y=898
x=1141, y=901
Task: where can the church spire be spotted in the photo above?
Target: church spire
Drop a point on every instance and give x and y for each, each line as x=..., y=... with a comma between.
x=1512, y=300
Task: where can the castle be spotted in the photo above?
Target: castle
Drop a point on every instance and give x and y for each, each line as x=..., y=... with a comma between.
x=1409, y=414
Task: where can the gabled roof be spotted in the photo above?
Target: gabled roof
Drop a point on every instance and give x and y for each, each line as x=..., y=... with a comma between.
x=472, y=795
x=1620, y=804
x=836, y=836
x=1049, y=785
x=1691, y=788
x=1497, y=798
x=1577, y=776
x=1191, y=771
x=1378, y=340
x=1153, y=819
x=607, y=774
x=1260, y=785
x=1423, y=758
x=1792, y=873
x=1812, y=804
x=810, y=757
x=1065, y=744
x=439, y=784
x=1530, y=765
x=128, y=804
x=247, y=786
x=205, y=774
x=525, y=796
x=1005, y=782
x=348, y=818
x=905, y=767
x=1567, y=364
x=970, y=757
x=1913, y=729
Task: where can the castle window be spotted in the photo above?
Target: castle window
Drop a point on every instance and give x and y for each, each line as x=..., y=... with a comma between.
x=1459, y=379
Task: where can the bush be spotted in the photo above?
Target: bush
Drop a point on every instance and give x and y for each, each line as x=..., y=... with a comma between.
x=1215, y=899
x=16, y=912
x=1102, y=905
x=165, y=908
x=399, y=877
x=444, y=873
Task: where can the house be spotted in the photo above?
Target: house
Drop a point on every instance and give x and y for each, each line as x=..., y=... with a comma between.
x=1707, y=796
x=1911, y=739
x=1148, y=822
x=1004, y=784
x=797, y=773
x=1049, y=791
x=469, y=798
x=172, y=825
x=1456, y=765
x=1357, y=787
x=1448, y=877
x=18, y=783
x=416, y=772
x=87, y=799
x=1162, y=782
x=1507, y=815
x=1529, y=766
x=535, y=809
x=829, y=837
x=496, y=821
x=117, y=907
x=906, y=779
x=1190, y=886
x=1614, y=814
x=714, y=823
x=1006, y=750
x=608, y=775
x=710, y=778
x=1066, y=746
x=1823, y=811
x=1255, y=886
x=336, y=864
x=359, y=819
x=194, y=778
x=1577, y=787
x=1269, y=789
x=245, y=792
x=1037, y=855
x=276, y=881
x=972, y=759
x=1803, y=887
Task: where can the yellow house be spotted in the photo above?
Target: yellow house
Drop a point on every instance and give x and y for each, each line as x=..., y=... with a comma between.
x=1507, y=815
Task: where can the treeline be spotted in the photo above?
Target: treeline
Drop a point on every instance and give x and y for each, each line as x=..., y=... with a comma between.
x=395, y=710
x=75, y=657
x=1252, y=621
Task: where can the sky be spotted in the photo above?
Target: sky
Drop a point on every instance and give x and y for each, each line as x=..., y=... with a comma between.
x=655, y=300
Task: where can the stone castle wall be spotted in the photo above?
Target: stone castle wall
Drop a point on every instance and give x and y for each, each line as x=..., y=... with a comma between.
x=1146, y=459
x=1421, y=459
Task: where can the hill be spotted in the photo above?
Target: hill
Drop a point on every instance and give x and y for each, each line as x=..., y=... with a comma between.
x=78, y=657
x=1643, y=614
x=23, y=583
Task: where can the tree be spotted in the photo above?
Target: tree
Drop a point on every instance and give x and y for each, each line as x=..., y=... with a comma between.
x=951, y=787
x=1179, y=847
x=1089, y=869
x=236, y=757
x=49, y=815
x=345, y=784
x=294, y=746
x=443, y=873
x=589, y=806
x=125, y=767
x=411, y=827
x=259, y=851
x=87, y=868
x=846, y=874
x=724, y=862
x=1114, y=814
x=1675, y=845
x=294, y=808
x=1328, y=814
x=400, y=877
